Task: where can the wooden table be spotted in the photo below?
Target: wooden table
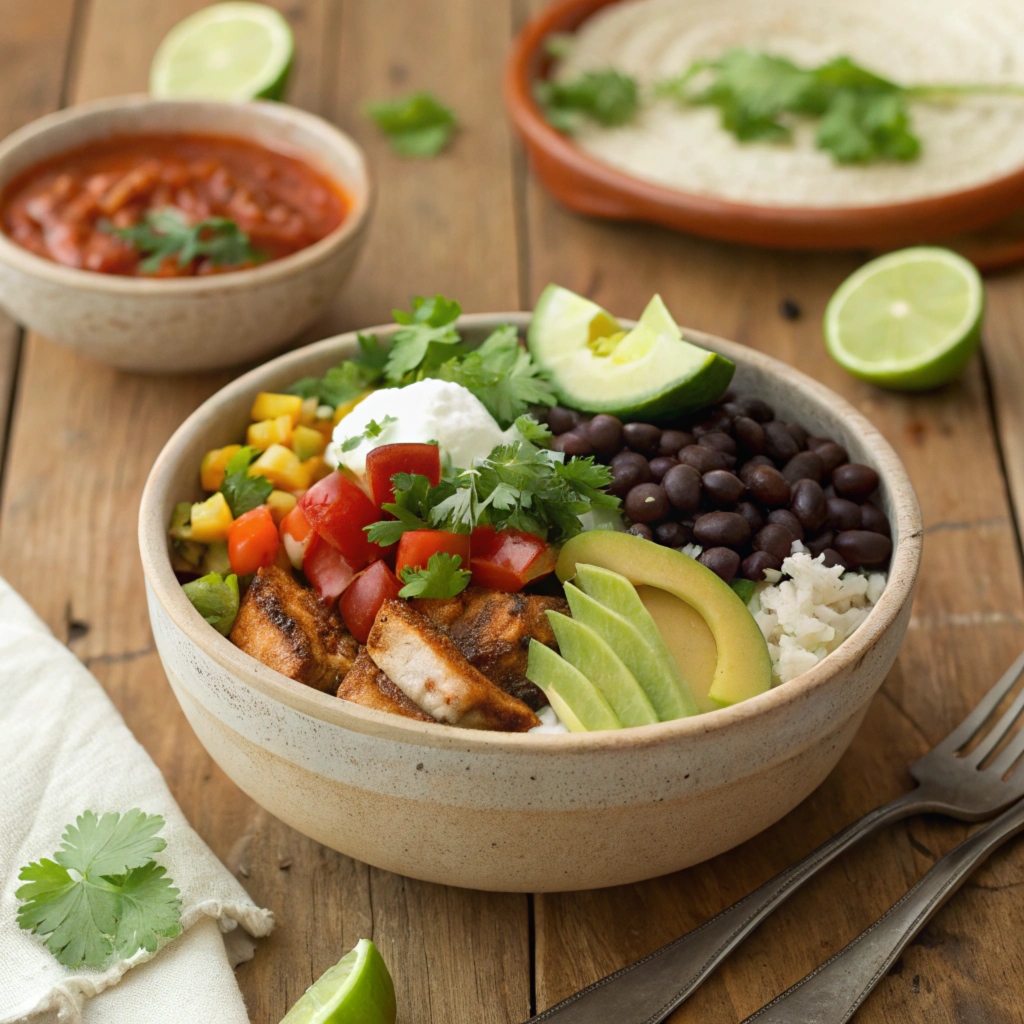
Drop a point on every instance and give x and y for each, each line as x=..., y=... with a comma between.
x=80, y=439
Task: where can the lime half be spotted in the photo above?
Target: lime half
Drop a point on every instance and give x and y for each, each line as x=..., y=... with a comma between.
x=909, y=320
x=232, y=51
x=356, y=990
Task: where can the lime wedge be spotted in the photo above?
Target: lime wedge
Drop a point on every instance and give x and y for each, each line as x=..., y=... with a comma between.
x=909, y=320
x=356, y=990
x=231, y=51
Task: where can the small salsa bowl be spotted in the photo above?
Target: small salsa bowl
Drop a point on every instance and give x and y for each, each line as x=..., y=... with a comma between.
x=516, y=811
x=185, y=324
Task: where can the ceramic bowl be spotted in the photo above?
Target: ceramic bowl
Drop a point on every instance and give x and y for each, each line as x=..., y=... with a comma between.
x=184, y=324
x=520, y=812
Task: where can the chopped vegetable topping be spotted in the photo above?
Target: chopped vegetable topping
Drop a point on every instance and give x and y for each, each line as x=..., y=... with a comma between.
x=373, y=429
x=608, y=97
x=215, y=598
x=244, y=492
x=347, y=380
x=419, y=125
x=441, y=578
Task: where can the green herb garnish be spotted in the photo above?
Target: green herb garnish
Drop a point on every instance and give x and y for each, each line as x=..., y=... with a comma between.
x=373, y=430
x=216, y=599
x=162, y=234
x=608, y=97
x=102, y=896
x=441, y=578
x=419, y=125
x=243, y=492
x=347, y=380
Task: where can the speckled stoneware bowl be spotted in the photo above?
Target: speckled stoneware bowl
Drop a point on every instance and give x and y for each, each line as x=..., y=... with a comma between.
x=517, y=811
x=184, y=324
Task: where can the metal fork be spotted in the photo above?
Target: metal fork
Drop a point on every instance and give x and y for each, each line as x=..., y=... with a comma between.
x=647, y=991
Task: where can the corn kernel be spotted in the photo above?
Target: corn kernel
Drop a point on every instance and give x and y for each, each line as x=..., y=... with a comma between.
x=280, y=504
x=317, y=468
x=308, y=442
x=269, y=432
x=281, y=466
x=269, y=406
x=211, y=469
x=211, y=519
x=346, y=407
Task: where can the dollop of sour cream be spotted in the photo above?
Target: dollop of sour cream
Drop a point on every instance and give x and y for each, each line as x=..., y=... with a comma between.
x=429, y=410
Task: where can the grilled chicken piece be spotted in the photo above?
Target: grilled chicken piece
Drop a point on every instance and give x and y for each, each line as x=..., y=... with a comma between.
x=285, y=625
x=424, y=663
x=365, y=684
x=493, y=630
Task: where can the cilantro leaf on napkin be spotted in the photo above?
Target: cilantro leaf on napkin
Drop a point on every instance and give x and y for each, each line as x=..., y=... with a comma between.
x=441, y=578
x=419, y=125
x=102, y=895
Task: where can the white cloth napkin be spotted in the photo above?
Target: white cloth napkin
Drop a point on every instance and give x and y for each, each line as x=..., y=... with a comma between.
x=64, y=749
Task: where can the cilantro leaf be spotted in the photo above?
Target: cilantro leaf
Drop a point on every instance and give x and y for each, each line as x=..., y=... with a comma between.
x=534, y=432
x=419, y=125
x=347, y=380
x=861, y=127
x=373, y=430
x=414, y=498
x=242, y=492
x=216, y=599
x=102, y=894
x=426, y=339
x=608, y=97
x=441, y=578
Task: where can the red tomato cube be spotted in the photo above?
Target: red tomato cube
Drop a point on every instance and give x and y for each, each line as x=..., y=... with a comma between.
x=252, y=541
x=339, y=510
x=384, y=462
x=364, y=596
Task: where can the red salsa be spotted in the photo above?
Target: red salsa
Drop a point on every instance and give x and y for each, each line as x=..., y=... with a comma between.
x=171, y=205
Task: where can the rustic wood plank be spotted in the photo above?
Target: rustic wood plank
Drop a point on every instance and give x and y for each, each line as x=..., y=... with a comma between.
x=86, y=435
x=967, y=627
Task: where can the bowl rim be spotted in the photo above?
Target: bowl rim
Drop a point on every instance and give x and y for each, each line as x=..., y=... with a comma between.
x=360, y=195
x=792, y=226
x=165, y=589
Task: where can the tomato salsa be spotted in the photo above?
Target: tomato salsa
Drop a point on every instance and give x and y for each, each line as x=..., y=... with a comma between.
x=170, y=205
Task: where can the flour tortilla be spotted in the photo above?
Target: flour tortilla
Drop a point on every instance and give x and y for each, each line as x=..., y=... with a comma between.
x=964, y=143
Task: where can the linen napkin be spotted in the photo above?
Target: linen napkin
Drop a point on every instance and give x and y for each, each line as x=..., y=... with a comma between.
x=64, y=749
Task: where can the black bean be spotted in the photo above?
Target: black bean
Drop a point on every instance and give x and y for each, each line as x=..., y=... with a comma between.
x=723, y=562
x=672, y=535
x=862, y=547
x=854, y=481
x=673, y=440
x=749, y=433
x=774, y=539
x=799, y=434
x=757, y=410
x=755, y=460
x=768, y=485
x=832, y=557
x=641, y=530
x=842, y=514
x=628, y=469
x=820, y=541
x=804, y=466
x=808, y=504
x=720, y=441
x=832, y=455
x=783, y=517
x=873, y=519
x=642, y=437
x=661, y=465
x=779, y=443
x=646, y=503
x=752, y=514
x=723, y=487
x=572, y=443
x=683, y=486
x=717, y=419
x=753, y=566
x=560, y=420
x=734, y=409
x=605, y=434
x=704, y=460
x=718, y=528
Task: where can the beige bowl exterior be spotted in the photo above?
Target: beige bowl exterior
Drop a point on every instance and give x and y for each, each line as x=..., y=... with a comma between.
x=521, y=812
x=185, y=324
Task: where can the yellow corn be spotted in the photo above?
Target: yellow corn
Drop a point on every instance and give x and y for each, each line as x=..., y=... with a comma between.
x=346, y=407
x=269, y=406
x=211, y=519
x=317, y=469
x=280, y=504
x=211, y=469
x=281, y=466
x=308, y=442
x=270, y=432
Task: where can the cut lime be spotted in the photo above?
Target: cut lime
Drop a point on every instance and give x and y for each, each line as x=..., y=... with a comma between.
x=231, y=51
x=356, y=990
x=909, y=320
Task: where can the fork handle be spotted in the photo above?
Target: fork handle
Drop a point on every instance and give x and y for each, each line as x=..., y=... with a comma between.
x=647, y=991
x=832, y=993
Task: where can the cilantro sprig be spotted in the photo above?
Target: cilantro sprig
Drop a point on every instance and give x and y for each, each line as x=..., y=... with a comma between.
x=102, y=896
x=373, y=430
x=419, y=125
x=442, y=577
x=243, y=492
x=347, y=380
x=162, y=234
x=608, y=97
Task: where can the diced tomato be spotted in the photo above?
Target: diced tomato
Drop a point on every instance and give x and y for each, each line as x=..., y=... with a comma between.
x=364, y=596
x=338, y=510
x=295, y=535
x=384, y=462
x=326, y=569
x=416, y=547
x=252, y=541
x=509, y=559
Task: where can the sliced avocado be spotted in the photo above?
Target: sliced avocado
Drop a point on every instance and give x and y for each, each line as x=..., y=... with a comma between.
x=648, y=373
x=577, y=702
x=586, y=651
x=655, y=670
x=744, y=668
